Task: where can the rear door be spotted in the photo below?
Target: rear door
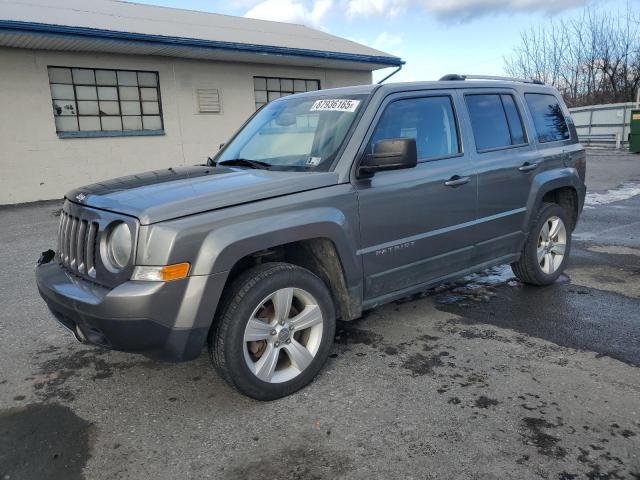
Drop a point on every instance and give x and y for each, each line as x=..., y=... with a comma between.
x=507, y=162
x=414, y=223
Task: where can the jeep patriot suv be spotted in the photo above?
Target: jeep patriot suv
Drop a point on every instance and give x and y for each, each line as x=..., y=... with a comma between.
x=323, y=205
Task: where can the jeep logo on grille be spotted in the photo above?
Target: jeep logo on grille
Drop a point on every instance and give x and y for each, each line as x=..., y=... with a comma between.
x=80, y=197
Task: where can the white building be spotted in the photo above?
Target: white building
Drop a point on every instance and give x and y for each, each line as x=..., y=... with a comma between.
x=94, y=89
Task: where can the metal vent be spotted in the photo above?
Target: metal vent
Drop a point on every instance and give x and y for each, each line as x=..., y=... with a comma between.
x=208, y=100
x=77, y=244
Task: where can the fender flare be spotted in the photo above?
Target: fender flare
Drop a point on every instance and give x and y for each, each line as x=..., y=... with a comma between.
x=550, y=180
x=223, y=247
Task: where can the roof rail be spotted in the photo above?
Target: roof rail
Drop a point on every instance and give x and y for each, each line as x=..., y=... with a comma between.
x=456, y=77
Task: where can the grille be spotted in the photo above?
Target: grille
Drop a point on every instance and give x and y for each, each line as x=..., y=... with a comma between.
x=77, y=244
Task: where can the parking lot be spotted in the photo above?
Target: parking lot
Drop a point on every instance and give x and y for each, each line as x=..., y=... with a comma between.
x=482, y=379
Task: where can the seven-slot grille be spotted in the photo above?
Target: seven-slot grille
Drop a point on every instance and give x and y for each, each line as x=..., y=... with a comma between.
x=77, y=244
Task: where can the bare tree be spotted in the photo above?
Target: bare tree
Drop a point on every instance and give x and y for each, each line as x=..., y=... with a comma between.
x=593, y=58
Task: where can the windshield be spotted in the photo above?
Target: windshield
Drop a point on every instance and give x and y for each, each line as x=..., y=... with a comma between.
x=295, y=133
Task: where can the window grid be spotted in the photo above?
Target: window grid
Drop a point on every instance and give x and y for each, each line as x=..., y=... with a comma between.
x=267, y=89
x=117, y=85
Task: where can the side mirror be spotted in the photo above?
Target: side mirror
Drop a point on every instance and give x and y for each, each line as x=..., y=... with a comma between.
x=389, y=154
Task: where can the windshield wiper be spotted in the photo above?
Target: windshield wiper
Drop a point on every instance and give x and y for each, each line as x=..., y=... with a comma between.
x=243, y=162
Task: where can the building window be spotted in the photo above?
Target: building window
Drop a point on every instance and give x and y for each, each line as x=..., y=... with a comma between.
x=103, y=102
x=269, y=88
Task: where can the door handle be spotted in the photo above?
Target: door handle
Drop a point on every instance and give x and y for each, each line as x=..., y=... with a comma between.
x=527, y=167
x=456, y=181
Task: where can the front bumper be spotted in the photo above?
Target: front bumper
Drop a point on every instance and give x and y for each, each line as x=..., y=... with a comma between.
x=163, y=320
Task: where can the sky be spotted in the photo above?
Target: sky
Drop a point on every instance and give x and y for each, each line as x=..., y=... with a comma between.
x=433, y=37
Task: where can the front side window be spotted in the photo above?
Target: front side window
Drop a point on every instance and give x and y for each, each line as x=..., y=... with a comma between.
x=267, y=89
x=429, y=120
x=548, y=117
x=99, y=100
x=495, y=121
x=300, y=133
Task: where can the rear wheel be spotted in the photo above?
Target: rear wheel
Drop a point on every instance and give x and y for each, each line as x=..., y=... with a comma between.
x=274, y=331
x=546, y=250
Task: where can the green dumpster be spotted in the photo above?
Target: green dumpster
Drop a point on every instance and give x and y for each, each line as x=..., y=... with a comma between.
x=634, y=134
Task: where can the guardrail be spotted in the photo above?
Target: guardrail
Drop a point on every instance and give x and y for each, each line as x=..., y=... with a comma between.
x=604, y=139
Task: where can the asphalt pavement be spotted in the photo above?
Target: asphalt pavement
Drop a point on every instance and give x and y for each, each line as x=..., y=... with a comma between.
x=485, y=378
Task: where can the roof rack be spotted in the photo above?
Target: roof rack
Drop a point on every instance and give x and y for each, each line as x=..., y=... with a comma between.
x=456, y=77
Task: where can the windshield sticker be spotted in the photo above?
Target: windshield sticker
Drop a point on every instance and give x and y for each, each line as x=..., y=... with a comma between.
x=335, y=105
x=314, y=161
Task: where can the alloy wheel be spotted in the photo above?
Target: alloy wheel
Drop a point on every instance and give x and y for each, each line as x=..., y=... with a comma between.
x=552, y=243
x=283, y=335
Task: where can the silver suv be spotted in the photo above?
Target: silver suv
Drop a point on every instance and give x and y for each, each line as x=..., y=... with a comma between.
x=323, y=205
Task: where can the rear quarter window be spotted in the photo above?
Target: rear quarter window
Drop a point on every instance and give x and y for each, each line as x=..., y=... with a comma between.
x=548, y=117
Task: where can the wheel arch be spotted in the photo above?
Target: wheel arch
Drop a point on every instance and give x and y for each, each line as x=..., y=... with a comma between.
x=556, y=186
x=567, y=198
x=320, y=256
x=320, y=240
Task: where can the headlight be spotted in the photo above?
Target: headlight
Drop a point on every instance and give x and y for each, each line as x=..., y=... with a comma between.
x=119, y=246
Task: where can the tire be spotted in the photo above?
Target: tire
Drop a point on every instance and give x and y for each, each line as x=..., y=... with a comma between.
x=237, y=349
x=529, y=269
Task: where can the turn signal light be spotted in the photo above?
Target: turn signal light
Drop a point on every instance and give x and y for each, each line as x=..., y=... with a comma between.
x=165, y=273
x=175, y=272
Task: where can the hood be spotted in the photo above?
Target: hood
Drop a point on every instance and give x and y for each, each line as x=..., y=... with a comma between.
x=175, y=192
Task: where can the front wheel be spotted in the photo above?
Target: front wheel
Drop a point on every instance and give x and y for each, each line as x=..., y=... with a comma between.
x=546, y=250
x=274, y=331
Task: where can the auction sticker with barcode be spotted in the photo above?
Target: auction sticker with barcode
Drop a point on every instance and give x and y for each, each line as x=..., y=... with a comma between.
x=335, y=105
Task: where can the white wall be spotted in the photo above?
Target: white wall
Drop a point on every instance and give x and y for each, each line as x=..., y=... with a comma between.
x=37, y=165
x=610, y=118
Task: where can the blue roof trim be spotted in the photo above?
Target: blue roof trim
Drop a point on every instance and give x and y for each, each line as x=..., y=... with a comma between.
x=46, y=28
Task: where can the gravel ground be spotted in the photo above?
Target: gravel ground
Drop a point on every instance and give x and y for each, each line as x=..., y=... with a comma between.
x=482, y=379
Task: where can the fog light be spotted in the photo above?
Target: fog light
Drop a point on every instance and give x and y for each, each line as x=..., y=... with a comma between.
x=161, y=274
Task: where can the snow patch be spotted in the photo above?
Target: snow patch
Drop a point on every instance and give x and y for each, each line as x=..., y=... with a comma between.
x=623, y=192
x=615, y=250
x=478, y=287
x=491, y=276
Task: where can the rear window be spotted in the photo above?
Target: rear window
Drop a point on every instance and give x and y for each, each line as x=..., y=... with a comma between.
x=548, y=117
x=495, y=120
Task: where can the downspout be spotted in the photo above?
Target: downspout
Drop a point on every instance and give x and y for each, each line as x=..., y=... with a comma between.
x=391, y=74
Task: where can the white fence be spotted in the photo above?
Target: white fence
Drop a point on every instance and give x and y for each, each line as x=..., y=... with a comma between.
x=603, y=125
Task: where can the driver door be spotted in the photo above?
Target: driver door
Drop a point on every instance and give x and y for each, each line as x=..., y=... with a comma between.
x=416, y=224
